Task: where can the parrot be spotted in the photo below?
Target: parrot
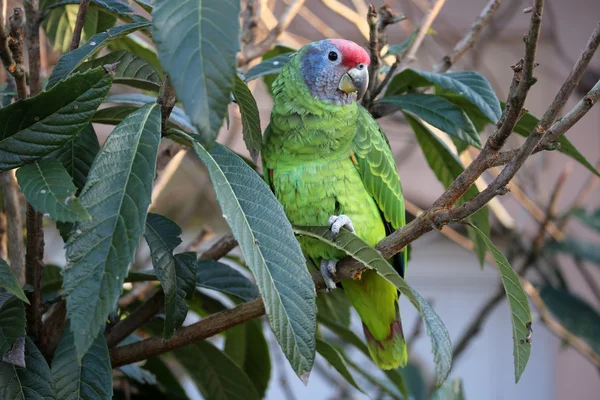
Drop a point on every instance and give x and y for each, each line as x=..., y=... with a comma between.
x=329, y=164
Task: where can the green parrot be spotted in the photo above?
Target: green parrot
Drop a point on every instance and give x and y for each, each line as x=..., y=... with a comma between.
x=328, y=163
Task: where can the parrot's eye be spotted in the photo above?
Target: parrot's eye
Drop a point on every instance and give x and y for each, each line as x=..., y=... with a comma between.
x=332, y=56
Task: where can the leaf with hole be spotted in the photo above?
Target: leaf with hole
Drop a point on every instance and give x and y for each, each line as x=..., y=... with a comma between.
x=197, y=44
x=520, y=314
x=354, y=247
x=9, y=282
x=49, y=189
x=260, y=225
x=117, y=195
x=40, y=125
x=218, y=276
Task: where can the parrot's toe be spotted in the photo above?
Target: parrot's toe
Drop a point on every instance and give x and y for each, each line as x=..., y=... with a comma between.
x=336, y=222
x=328, y=270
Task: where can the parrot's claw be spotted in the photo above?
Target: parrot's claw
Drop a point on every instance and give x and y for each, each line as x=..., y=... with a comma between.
x=328, y=270
x=336, y=222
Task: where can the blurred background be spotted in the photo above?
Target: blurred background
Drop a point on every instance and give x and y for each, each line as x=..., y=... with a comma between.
x=442, y=270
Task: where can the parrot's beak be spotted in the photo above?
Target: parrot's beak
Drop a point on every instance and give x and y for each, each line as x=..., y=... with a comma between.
x=355, y=80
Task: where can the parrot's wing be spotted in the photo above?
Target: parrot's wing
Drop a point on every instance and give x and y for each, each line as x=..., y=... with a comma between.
x=374, y=160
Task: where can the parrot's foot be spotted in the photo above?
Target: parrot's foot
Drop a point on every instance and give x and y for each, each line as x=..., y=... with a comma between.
x=328, y=270
x=336, y=222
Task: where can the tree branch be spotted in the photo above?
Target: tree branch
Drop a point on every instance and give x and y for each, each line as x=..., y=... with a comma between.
x=11, y=51
x=16, y=247
x=425, y=25
x=374, y=55
x=83, y=7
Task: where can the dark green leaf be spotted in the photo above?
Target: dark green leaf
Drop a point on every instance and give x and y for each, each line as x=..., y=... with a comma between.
x=354, y=247
x=177, y=274
x=70, y=61
x=9, y=282
x=12, y=321
x=438, y=112
x=415, y=381
x=333, y=357
x=259, y=224
x=334, y=307
x=31, y=383
x=167, y=381
x=113, y=7
x=89, y=379
x=116, y=194
x=197, y=44
x=451, y=390
x=520, y=314
x=49, y=189
x=527, y=124
x=140, y=48
x=405, y=80
x=78, y=155
x=591, y=220
x=577, y=248
x=574, y=314
x=51, y=279
x=215, y=374
x=269, y=66
x=140, y=375
x=447, y=167
x=475, y=115
x=132, y=70
x=250, y=117
x=38, y=126
x=218, y=276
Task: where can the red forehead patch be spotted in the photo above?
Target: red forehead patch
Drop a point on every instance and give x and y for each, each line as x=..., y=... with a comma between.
x=352, y=54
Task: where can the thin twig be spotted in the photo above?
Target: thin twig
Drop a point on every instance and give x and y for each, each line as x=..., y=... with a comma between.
x=348, y=13
x=12, y=208
x=469, y=40
x=323, y=27
x=425, y=25
x=83, y=6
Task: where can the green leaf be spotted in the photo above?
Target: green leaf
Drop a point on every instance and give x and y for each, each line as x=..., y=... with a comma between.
x=218, y=276
x=354, y=247
x=31, y=383
x=520, y=314
x=527, y=124
x=591, y=220
x=113, y=7
x=145, y=4
x=116, y=194
x=12, y=322
x=140, y=375
x=396, y=49
x=415, y=381
x=132, y=70
x=259, y=224
x=197, y=45
x=168, y=383
x=269, y=66
x=70, y=61
x=9, y=282
x=478, y=119
x=247, y=346
x=140, y=48
x=577, y=248
x=438, y=112
x=51, y=279
x=333, y=357
x=250, y=117
x=90, y=378
x=49, y=189
x=38, y=126
x=334, y=307
x=574, y=314
x=446, y=166
x=215, y=374
x=451, y=390
x=78, y=155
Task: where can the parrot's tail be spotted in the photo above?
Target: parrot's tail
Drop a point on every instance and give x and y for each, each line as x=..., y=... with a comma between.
x=391, y=352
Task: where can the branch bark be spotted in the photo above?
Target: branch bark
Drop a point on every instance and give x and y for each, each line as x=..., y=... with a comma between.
x=83, y=7
x=15, y=245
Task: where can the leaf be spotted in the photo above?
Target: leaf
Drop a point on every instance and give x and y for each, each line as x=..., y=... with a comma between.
x=333, y=357
x=39, y=125
x=78, y=155
x=362, y=252
x=132, y=70
x=520, y=314
x=140, y=48
x=574, y=314
x=527, y=124
x=396, y=49
x=70, y=61
x=197, y=44
x=140, y=375
x=218, y=276
x=90, y=378
x=116, y=195
x=259, y=224
x=114, y=7
x=376, y=381
x=16, y=354
x=9, y=282
x=167, y=382
x=51, y=279
x=250, y=117
x=177, y=274
x=49, y=189
x=269, y=66
x=12, y=322
x=450, y=390
x=577, y=248
x=145, y=4
x=31, y=383
x=591, y=220
x=334, y=307
x=215, y=374
x=447, y=167
x=438, y=112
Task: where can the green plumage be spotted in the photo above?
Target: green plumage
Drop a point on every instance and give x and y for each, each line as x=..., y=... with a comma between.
x=321, y=160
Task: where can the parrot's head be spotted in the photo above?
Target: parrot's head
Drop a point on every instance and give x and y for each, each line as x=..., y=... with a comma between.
x=333, y=69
